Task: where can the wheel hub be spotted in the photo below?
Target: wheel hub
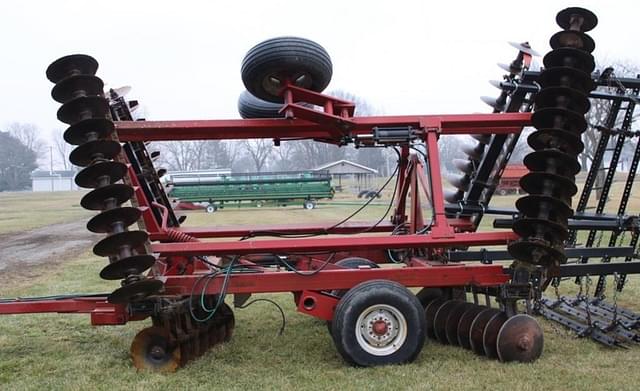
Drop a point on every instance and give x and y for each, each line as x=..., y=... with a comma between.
x=382, y=329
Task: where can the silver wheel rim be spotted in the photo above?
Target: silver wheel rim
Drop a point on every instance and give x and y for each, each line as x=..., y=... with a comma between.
x=381, y=330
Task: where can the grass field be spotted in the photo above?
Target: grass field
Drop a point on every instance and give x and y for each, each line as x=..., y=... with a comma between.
x=27, y=210
x=65, y=352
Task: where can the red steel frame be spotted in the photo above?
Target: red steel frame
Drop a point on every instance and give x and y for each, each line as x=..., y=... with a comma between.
x=331, y=125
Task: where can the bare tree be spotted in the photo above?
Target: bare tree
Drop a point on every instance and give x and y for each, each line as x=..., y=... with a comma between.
x=63, y=149
x=284, y=157
x=259, y=150
x=29, y=135
x=600, y=115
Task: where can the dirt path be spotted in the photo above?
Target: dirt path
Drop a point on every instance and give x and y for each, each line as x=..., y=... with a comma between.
x=21, y=253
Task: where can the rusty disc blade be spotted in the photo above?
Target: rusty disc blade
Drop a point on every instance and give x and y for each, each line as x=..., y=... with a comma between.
x=121, y=268
x=97, y=174
x=477, y=329
x=115, y=194
x=153, y=350
x=451, y=325
x=112, y=243
x=84, y=154
x=520, y=339
x=75, y=64
x=92, y=128
x=490, y=335
x=464, y=325
x=75, y=86
x=104, y=222
x=430, y=313
x=440, y=320
x=135, y=291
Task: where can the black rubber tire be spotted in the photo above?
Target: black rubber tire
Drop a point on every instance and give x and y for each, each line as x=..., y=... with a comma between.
x=285, y=57
x=360, y=298
x=353, y=263
x=350, y=263
x=251, y=107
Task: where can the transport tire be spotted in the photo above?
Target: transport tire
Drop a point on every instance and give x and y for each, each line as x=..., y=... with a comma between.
x=350, y=263
x=268, y=65
x=308, y=204
x=387, y=321
x=211, y=208
x=251, y=107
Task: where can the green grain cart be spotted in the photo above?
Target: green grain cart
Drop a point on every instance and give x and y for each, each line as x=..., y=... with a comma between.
x=215, y=188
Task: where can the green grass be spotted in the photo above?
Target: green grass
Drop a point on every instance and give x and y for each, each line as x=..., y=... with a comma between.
x=27, y=210
x=57, y=351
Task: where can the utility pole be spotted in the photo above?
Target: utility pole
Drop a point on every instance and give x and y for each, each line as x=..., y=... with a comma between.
x=51, y=166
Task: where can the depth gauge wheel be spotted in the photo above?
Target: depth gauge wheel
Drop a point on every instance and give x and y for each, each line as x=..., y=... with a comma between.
x=270, y=64
x=379, y=322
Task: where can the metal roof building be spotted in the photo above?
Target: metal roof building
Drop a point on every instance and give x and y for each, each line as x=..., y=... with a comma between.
x=348, y=169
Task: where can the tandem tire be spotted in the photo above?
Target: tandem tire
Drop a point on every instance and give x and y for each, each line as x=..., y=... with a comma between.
x=379, y=322
x=268, y=65
x=251, y=107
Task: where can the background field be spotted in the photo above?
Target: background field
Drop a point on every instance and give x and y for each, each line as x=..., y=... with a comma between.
x=65, y=352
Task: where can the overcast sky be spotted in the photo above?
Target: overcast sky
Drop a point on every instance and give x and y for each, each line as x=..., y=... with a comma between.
x=183, y=58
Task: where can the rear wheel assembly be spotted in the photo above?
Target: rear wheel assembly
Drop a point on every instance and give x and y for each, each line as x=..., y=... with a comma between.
x=378, y=322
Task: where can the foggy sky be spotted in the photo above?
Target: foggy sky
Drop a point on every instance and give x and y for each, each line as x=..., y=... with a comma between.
x=182, y=58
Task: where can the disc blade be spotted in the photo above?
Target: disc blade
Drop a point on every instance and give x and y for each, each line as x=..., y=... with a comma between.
x=103, y=222
x=525, y=48
x=135, y=264
x=135, y=291
x=84, y=154
x=93, y=128
x=453, y=196
x=463, y=165
x=75, y=64
x=82, y=108
x=76, y=86
x=476, y=330
x=520, y=339
x=589, y=19
x=112, y=243
x=451, y=325
x=152, y=349
x=440, y=320
x=430, y=313
x=101, y=174
x=464, y=325
x=111, y=195
x=490, y=335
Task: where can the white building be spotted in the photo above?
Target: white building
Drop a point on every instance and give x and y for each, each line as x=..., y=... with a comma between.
x=57, y=180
